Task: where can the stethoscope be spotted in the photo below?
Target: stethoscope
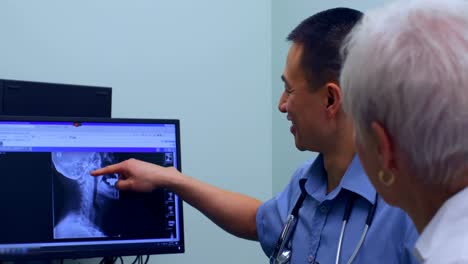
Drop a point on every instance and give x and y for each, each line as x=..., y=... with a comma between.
x=282, y=252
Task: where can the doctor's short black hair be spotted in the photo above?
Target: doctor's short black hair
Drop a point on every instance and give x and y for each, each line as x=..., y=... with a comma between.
x=321, y=36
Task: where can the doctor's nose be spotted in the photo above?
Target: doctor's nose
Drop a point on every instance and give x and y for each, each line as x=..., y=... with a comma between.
x=282, y=104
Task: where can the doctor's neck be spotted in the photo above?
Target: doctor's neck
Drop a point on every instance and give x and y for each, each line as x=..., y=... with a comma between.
x=339, y=156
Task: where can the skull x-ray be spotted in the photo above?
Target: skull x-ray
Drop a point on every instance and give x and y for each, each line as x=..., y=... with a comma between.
x=84, y=199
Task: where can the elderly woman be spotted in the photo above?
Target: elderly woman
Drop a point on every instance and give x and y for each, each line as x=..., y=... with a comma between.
x=405, y=82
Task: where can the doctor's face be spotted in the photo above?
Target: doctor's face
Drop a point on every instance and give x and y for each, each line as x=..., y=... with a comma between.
x=305, y=107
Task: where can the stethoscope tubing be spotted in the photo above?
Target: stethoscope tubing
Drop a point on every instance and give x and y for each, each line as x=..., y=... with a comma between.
x=347, y=214
x=288, y=229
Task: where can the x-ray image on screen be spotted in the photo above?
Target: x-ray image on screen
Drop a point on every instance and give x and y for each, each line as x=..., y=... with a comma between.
x=82, y=201
x=92, y=207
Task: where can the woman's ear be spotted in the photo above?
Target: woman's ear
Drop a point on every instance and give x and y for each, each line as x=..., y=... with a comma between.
x=385, y=146
x=334, y=98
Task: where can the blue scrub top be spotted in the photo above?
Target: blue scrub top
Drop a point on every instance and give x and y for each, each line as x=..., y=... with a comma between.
x=390, y=238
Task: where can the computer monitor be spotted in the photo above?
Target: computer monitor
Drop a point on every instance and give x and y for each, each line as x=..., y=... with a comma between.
x=52, y=208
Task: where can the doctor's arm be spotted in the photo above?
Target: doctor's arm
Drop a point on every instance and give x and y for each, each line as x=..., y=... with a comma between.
x=234, y=212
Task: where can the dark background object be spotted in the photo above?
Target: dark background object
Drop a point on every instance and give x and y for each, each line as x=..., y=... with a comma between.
x=26, y=98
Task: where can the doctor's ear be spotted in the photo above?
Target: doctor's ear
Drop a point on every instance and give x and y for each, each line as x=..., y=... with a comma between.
x=331, y=100
x=334, y=98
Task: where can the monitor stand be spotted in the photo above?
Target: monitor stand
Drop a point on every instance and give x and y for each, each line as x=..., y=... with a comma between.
x=107, y=260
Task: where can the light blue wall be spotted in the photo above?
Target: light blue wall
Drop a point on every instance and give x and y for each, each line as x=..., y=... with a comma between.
x=215, y=65
x=286, y=15
x=205, y=62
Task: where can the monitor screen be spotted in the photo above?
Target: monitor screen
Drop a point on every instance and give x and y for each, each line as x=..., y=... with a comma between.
x=52, y=208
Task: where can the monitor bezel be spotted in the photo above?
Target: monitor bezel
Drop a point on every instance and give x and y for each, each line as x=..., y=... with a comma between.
x=99, y=251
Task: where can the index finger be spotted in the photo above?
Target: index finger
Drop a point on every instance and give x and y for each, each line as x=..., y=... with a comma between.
x=114, y=168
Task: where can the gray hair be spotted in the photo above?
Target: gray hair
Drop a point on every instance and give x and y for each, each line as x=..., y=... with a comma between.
x=406, y=68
